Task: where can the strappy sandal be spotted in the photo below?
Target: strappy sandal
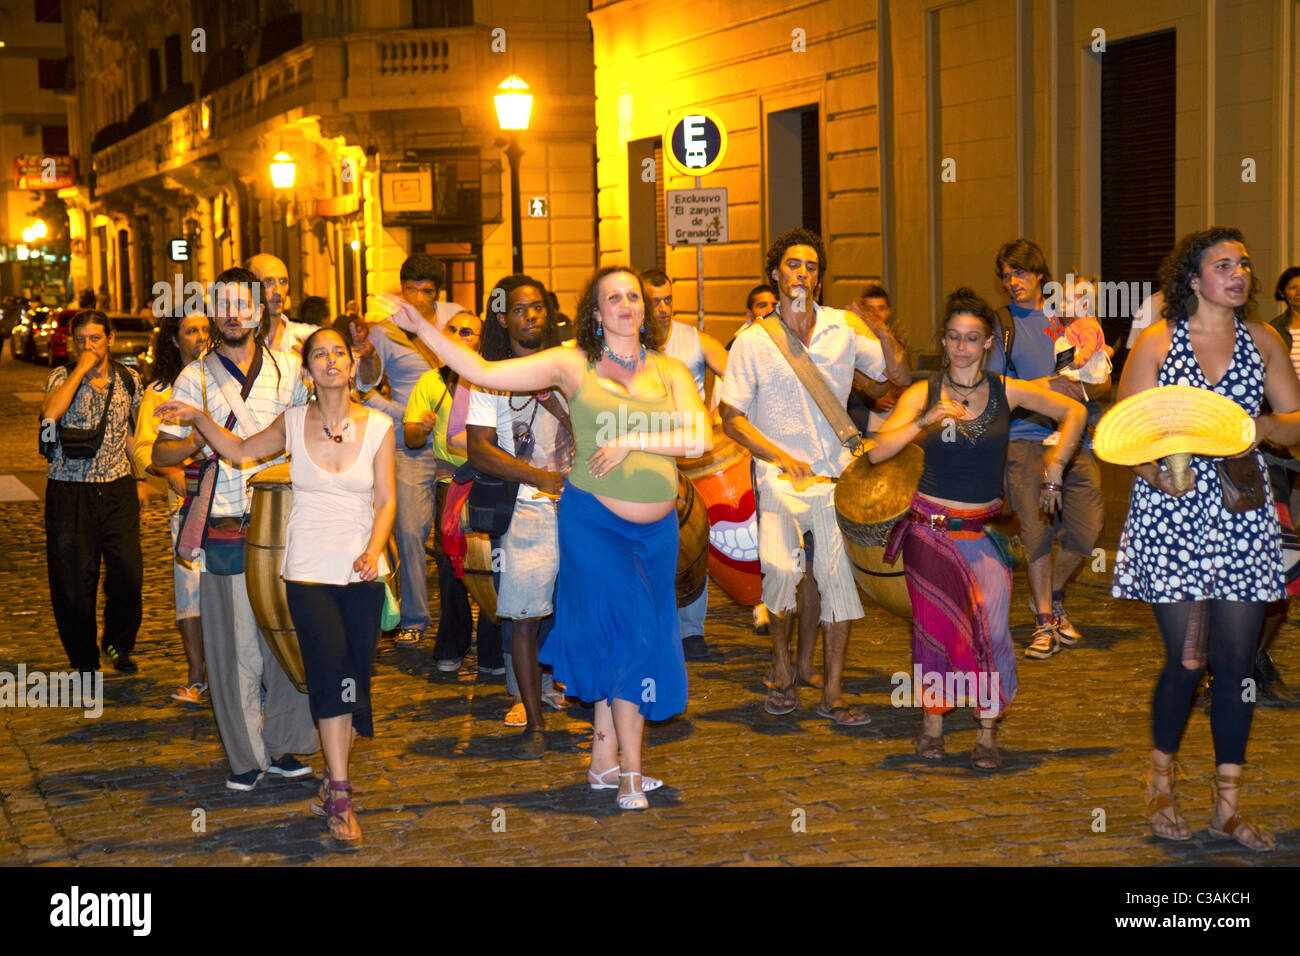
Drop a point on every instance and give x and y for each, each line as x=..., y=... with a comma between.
x=636, y=800
x=930, y=748
x=597, y=781
x=321, y=805
x=1238, y=827
x=1161, y=806
x=985, y=759
x=342, y=819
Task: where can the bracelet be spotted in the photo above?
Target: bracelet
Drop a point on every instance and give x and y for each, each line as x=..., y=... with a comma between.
x=1049, y=486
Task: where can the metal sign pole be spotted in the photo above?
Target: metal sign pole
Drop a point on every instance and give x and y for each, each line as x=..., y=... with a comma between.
x=699, y=274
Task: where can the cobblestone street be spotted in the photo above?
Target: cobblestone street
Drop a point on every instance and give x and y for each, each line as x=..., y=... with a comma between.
x=436, y=784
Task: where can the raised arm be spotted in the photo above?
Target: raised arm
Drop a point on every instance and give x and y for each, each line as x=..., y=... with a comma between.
x=560, y=367
x=267, y=443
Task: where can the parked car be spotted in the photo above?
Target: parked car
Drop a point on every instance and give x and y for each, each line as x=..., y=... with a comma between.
x=132, y=335
x=20, y=339
x=11, y=313
x=50, y=338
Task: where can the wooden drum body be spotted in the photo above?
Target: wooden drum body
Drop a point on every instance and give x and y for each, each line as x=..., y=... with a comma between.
x=722, y=479
x=272, y=499
x=692, y=542
x=478, y=573
x=869, y=501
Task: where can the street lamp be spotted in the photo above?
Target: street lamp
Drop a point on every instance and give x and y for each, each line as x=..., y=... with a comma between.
x=282, y=170
x=514, y=106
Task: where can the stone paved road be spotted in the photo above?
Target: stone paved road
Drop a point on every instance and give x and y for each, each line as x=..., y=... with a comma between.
x=742, y=787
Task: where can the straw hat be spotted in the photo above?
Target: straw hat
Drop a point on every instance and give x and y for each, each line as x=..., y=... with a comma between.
x=1173, y=421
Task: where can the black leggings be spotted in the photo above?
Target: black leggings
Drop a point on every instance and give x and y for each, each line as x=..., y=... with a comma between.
x=338, y=631
x=1229, y=629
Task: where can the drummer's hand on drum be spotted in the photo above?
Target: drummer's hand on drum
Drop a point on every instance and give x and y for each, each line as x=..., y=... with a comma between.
x=798, y=473
x=552, y=484
x=367, y=566
x=941, y=411
x=606, y=458
x=178, y=412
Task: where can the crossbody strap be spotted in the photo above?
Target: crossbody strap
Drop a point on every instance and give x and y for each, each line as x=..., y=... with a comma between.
x=231, y=393
x=814, y=381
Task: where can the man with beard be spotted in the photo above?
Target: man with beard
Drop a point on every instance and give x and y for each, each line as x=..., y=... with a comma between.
x=527, y=438
x=280, y=334
x=258, y=738
x=384, y=348
x=696, y=350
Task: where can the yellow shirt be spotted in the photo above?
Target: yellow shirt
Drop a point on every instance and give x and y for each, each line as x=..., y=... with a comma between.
x=146, y=433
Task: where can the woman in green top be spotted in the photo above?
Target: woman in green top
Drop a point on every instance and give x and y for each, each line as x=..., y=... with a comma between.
x=634, y=411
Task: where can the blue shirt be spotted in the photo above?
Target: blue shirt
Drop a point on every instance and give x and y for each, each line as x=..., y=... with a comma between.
x=1034, y=356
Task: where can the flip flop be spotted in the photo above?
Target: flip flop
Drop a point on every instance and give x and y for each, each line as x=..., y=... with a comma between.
x=781, y=701
x=816, y=681
x=854, y=716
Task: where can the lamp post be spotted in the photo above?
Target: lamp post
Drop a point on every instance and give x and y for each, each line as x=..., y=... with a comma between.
x=514, y=106
x=282, y=172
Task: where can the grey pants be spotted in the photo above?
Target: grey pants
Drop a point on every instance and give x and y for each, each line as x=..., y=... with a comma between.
x=239, y=663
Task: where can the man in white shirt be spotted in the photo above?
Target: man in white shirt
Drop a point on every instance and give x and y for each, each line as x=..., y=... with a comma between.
x=696, y=350
x=280, y=334
x=797, y=456
x=527, y=438
x=258, y=738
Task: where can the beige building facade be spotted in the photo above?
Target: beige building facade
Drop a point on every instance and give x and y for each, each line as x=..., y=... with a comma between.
x=385, y=109
x=919, y=135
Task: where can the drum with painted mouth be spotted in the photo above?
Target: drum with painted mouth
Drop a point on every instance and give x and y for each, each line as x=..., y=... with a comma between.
x=722, y=479
x=272, y=500
x=869, y=501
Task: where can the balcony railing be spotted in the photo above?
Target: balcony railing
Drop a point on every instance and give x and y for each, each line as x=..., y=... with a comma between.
x=448, y=67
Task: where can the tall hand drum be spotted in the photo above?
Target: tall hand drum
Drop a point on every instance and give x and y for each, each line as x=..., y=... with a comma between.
x=722, y=478
x=263, y=555
x=869, y=501
x=692, y=542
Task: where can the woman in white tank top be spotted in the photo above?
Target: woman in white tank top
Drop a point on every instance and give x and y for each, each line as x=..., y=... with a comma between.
x=343, y=469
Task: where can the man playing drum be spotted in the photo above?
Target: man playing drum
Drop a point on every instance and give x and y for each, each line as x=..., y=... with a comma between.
x=798, y=456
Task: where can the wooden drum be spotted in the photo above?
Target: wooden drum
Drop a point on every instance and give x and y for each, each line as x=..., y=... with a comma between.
x=478, y=573
x=264, y=553
x=692, y=542
x=722, y=478
x=869, y=501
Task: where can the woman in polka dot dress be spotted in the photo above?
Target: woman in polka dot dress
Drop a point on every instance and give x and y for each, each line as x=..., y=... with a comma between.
x=1207, y=573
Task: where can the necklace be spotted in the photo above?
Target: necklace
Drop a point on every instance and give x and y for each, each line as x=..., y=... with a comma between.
x=968, y=389
x=510, y=400
x=629, y=362
x=337, y=439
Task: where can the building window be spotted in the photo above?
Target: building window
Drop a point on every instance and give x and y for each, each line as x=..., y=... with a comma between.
x=54, y=140
x=793, y=170
x=52, y=74
x=646, y=215
x=48, y=11
x=172, y=56
x=440, y=14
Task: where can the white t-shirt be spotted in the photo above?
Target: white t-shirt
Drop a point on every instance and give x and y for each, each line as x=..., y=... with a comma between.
x=684, y=345
x=515, y=416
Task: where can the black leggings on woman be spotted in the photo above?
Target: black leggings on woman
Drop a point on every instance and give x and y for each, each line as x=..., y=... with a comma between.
x=1229, y=629
x=338, y=631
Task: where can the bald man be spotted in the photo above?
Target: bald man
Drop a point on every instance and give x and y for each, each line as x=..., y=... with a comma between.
x=281, y=334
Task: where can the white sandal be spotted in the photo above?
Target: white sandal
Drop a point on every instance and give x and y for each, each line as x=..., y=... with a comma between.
x=597, y=781
x=636, y=800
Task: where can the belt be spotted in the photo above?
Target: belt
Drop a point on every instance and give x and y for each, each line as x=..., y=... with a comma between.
x=946, y=523
x=228, y=524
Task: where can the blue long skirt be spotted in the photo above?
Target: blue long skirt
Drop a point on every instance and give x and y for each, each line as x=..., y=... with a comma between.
x=616, y=634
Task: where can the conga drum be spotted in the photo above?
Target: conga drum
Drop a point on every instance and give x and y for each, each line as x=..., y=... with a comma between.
x=692, y=542
x=272, y=496
x=869, y=501
x=478, y=573
x=722, y=478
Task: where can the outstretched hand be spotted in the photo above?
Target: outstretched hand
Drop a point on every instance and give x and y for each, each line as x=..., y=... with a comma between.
x=178, y=412
x=404, y=315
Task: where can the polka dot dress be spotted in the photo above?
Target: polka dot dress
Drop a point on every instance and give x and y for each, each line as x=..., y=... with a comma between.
x=1191, y=548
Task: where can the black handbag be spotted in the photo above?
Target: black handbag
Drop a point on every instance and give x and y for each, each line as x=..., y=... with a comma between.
x=491, y=502
x=79, y=443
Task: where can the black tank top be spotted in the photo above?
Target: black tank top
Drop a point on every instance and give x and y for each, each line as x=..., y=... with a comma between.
x=969, y=466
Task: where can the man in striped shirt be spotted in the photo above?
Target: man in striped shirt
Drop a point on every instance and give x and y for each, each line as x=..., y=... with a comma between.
x=258, y=738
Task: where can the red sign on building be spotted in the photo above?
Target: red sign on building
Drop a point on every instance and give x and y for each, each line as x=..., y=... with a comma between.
x=36, y=171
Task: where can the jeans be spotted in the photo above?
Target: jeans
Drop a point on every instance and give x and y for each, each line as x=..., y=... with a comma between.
x=416, y=485
x=691, y=617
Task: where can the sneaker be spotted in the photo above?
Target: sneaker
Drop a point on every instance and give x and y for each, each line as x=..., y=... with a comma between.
x=1046, y=642
x=517, y=716
x=289, y=767
x=243, y=781
x=1068, y=635
x=122, y=662
x=694, y=648
x=761, y=621
x=409, y=636
x=193, y=694
x=493, y=671
x=452, y=665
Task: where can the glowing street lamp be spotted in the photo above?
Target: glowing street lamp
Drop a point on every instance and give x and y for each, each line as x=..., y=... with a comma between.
x=282, y=170
x=514, y=107
x=38, y=230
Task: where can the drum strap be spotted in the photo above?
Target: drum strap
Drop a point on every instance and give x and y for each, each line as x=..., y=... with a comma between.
x=815, y=382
